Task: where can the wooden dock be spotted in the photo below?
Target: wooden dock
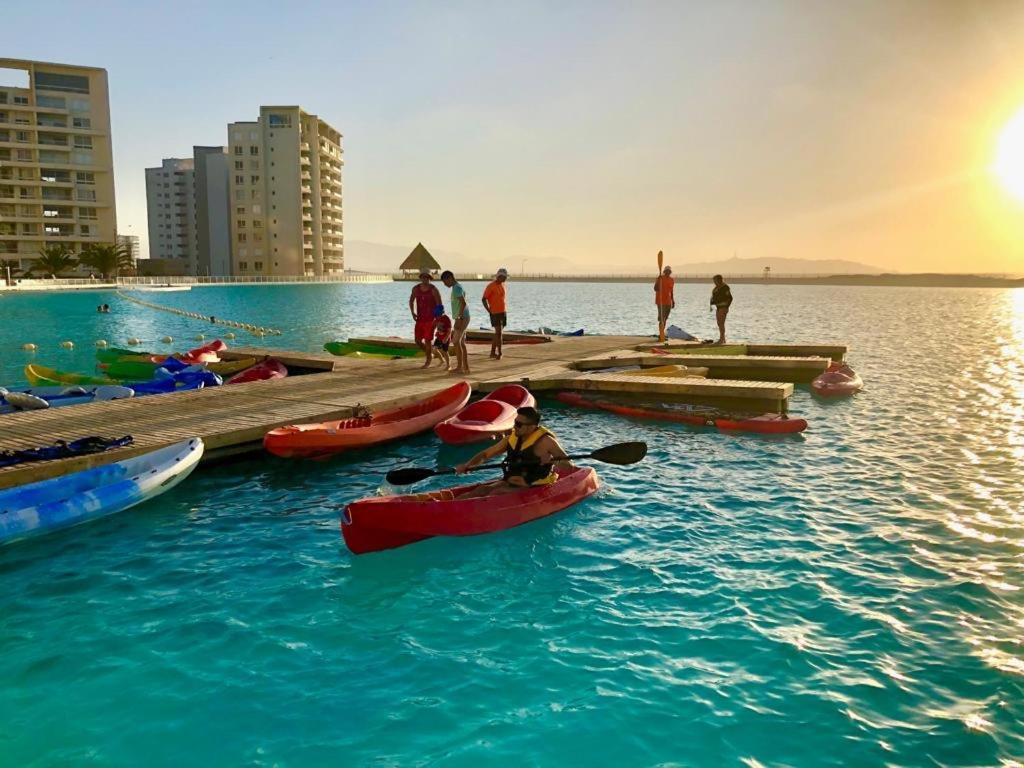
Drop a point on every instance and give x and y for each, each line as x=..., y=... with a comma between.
x=835, y=352
x=234, y=419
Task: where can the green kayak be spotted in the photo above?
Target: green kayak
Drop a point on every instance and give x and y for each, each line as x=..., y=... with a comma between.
x=365, y=349
x=114, y=355
x=130, y=370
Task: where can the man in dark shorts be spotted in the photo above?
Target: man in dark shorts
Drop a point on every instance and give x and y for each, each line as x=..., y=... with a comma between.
x=423, y=303
x=494, y=303
x=721, y=300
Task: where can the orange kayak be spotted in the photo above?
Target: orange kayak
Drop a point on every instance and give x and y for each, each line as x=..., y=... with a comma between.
x=313, y=441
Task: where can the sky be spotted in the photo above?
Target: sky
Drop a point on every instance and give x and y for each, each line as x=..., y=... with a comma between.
x=594, y=132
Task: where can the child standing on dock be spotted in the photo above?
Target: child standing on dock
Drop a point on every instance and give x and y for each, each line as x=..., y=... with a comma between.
x=664, y=298
x=721, y=300
x=460, y=316
x=494, y=303
x=442, y=338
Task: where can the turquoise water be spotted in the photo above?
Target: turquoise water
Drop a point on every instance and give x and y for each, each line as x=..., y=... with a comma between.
x=847, y=597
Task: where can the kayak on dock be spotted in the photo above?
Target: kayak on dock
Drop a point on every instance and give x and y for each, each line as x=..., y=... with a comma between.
x=49, y=505
x=671, y=371
x=378, y=523
x=389, y=347
x=345, y=349
x=271, y=368
x=324, y=439
x=698, y=416
x=839, y=380
x=36, y=398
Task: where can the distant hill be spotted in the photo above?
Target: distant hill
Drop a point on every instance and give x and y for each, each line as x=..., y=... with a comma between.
x=779, y=267
x=365, y=256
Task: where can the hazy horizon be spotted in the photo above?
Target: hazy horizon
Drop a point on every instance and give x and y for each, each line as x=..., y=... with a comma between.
x=597, y=133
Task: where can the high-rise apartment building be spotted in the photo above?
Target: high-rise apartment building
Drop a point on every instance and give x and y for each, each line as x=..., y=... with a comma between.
x=131, y=245
x=187, y=202
x=56, y=162
x=171, y=206
x=213, y=223
x=285, y=180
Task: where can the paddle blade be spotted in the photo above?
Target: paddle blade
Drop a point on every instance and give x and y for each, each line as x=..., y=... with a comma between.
x=661, y=261
x=409, y=475
x=621, y=453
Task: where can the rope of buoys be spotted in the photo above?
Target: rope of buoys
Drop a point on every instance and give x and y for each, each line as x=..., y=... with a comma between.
x=255, y=330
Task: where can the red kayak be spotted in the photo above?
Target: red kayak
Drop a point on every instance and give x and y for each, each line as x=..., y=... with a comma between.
x=479, y=421
x=268, y=369
x=204, y=354
x=386, y=522
x=839, y=380
x=767, y=423
x=320, y=440
x=514, y=395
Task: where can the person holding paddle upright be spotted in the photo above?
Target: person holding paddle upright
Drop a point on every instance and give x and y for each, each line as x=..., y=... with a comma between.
x=664, y=296
x=532, y=457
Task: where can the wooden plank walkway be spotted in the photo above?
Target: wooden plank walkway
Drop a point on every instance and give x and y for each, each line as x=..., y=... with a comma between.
x=234, y=418
x=834, y=351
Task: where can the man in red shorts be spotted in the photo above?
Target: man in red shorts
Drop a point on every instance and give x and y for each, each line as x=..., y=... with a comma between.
x=423, y=303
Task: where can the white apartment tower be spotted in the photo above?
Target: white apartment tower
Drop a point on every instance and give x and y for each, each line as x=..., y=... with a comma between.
x=286, y=214
x=56, y=162
x=171, y=207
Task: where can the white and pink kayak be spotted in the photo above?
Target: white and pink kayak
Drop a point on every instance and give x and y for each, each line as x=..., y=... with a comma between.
x=839, y=380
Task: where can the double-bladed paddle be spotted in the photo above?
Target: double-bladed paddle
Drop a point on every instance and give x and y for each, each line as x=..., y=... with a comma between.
x=620, y=453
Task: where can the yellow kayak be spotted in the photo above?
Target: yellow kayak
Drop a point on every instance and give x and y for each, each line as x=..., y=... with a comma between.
x=231, y=367
x=680, y=371
x=41, y=376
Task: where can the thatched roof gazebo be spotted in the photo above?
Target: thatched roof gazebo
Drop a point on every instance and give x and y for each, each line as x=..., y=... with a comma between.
x=419, y=261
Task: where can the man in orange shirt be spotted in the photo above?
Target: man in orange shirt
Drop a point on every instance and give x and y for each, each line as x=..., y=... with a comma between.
x=494, y=303
x=664, y=299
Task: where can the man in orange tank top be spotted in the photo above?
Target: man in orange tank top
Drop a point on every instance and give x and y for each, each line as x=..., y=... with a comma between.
x=664, y=299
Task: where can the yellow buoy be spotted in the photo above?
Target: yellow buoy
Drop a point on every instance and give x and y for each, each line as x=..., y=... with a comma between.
x=134, y=341
x=101, y=343
x=67, y=345
x=29, y=347
x=200, y=337
x=167, y=339
x=229, y=335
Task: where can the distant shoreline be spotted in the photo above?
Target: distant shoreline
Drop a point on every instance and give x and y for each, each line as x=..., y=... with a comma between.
x=921, y=280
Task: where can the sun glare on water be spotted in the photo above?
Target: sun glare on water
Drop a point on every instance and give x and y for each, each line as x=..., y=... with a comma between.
x=1009, y=161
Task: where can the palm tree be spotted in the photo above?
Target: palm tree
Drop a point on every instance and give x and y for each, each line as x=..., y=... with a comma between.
x=108, y=259
x=55, y=258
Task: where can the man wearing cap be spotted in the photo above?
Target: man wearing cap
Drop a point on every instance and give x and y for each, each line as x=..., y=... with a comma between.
x=664, y=299
x=494, y=303
x=423, y=303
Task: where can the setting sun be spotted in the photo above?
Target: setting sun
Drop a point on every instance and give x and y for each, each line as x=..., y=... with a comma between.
x=1009, y=161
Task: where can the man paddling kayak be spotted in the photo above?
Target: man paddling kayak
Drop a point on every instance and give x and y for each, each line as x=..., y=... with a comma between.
x=532, y=457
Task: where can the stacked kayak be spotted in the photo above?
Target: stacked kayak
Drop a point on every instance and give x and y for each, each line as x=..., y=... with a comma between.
x=189, y=377
x=131, y=370
x=49, y=505
x=671, y=371
x=56, y=397
x=838, y=380
x=510, y=337
x=766, y=423
x=385, y=348
x=271, y=368
x=378, y=523
x=327, y=438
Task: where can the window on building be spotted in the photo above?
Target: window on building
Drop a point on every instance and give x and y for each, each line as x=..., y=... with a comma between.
x=81, y=122
x=257, y=224
x=52, y=81
x=85, y=177
x=275, y=120
x=83, y=142
x=22, y=136
x=81, y=158
x=243, y=265
x=79, y=105
x=255, y=179
x=240, y=210
x=240, y=223
x=254, y=165
x=254, y=150
x=53, y=102
x=258, y=265
x=239, y=180
x=242, y=237
x=253, y=135
x=239, y=165
x=239, y=150
x=85, y=230
x=23, y=155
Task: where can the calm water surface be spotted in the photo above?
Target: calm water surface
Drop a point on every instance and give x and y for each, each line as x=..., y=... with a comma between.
x=848, y=597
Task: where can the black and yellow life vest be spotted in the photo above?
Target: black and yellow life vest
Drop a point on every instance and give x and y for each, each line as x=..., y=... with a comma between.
x=520, y=461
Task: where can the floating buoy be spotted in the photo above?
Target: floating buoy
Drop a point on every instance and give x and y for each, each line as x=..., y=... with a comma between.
x=134, y=341
x=167, y=339
x=200, y=337
x=229, y=335
x=101, y=343
x=67, y=345
x=258, y=334
x=29, y=347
